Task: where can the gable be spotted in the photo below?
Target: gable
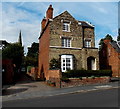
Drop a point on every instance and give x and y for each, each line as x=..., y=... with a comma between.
x=65, y=16
x=115, y=46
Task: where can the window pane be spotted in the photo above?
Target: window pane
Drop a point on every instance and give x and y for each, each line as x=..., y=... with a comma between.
x=63, y=64
x=63, y=68
x=66, y=42
x=67, y=59
x=87, y=43
x=66, y=26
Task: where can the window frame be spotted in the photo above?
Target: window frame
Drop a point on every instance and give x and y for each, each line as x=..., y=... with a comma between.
x=66, y=62
x=66, y=42
x=66, y=27
x=88, y=43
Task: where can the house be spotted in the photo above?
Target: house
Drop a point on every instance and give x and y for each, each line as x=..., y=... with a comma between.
x=110, y=57
x=69, y=40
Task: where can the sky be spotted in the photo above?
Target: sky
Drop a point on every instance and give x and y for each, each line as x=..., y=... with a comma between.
x=27, y=16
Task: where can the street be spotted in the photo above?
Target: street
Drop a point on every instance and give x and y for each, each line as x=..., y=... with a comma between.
x=95, y=98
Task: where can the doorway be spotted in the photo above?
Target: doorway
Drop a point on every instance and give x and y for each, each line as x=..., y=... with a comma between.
x=91, y=63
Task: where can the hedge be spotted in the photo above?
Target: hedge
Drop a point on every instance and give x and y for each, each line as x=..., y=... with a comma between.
x=87, y=73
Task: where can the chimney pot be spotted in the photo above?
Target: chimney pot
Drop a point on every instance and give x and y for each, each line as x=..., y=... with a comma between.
x=43, y=24
x=49, y=13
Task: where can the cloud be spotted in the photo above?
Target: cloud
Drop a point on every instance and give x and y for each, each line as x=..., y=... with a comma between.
x=14, y=20
x=26, y=16
x=60, y=0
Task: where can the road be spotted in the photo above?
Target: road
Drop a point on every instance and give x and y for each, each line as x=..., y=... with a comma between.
x=96, y=98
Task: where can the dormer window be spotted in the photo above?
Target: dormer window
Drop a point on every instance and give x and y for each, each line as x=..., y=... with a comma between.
x=66, y=27
x=87, y=43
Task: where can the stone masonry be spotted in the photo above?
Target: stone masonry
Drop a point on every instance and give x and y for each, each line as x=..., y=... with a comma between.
x=50, y=39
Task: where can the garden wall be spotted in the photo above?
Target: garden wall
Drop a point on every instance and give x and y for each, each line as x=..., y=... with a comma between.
x=84, y=81
x=54, y=77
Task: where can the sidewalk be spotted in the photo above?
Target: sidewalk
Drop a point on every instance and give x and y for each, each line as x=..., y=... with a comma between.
x=40, y=89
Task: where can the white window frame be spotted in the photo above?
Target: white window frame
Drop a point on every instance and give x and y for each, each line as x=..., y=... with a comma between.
x=66, y=27
x=66, y=62
x=66, y=42
x=87, y=43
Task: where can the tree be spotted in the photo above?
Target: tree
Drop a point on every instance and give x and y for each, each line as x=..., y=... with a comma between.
x=101, y=44
x=109, y=37
x=33, y=50
x=32, y=55
x=15, y=52
x=118, y=38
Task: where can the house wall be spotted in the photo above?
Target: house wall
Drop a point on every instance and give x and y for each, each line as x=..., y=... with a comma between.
x=110, y=58
x=114, y=61
x=90, y=53
x=56, y=52
x=44, y=54
x=56, y=31
x=50, y=44
x=89, y=33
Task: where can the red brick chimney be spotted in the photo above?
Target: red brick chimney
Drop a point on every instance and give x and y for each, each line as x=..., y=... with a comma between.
x=49, y=13
x=43, y=23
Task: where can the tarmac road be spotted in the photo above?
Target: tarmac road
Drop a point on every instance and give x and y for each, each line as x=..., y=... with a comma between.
x=94, y=98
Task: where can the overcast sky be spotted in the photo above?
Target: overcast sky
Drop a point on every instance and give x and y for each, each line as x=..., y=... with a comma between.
x=27, y=16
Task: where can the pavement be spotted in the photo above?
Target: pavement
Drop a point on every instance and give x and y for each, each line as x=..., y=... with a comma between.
x=33, y=89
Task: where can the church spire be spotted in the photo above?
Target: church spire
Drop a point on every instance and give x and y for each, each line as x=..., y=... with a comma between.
x=20, y=38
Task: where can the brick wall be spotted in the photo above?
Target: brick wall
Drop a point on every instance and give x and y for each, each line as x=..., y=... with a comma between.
x=54, y=76
x=110, y=58
x=114, y=61
x=84, y=81
x=43, y=62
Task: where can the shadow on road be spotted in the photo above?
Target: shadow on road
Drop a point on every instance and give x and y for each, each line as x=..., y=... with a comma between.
x=13, y=91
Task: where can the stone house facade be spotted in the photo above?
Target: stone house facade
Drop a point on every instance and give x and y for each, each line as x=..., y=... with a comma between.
x=110, y=57
x=69, y=40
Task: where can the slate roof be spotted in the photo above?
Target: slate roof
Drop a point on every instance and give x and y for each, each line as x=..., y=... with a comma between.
x=116, y=46
x=86, y=24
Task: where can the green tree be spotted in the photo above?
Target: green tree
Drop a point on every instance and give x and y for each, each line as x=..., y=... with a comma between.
x=15, y=52
x=118, y=38
x=32, y=55
x=109, y=37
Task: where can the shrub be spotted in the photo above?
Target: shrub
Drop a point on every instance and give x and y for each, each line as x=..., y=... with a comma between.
x=54, y=64
x=65, y=79
x=80, y=78
x=87, y=73
x=93, y=77
x=50, y=82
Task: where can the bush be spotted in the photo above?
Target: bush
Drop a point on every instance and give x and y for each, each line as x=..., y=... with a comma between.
x=87, y=73
x=80, y=78
x=50, y=82
x=65, y=79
